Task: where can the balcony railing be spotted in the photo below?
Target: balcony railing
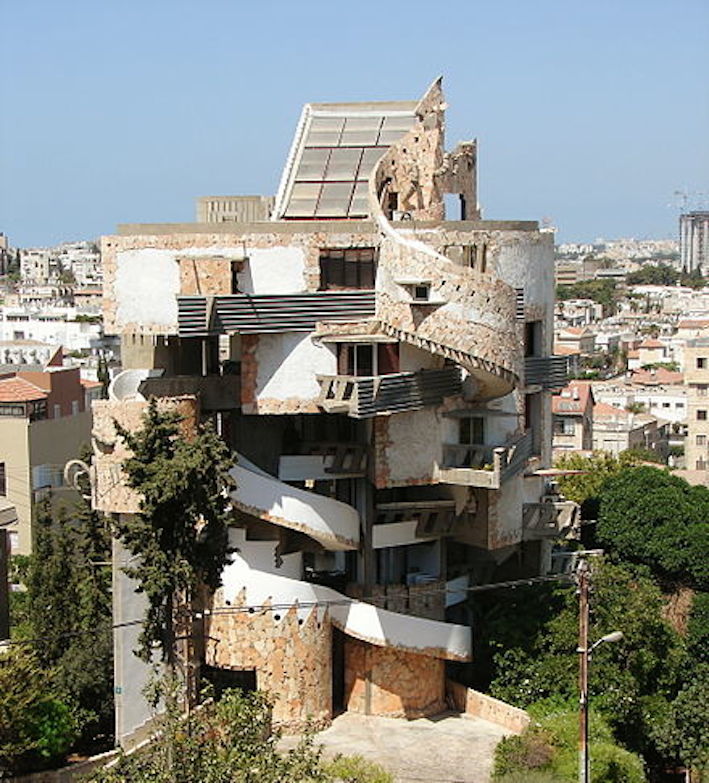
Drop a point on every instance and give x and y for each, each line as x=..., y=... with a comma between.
x=215, y=392
x=549, y=372
x=266, y=313
x=485, y=466
x=364, y=397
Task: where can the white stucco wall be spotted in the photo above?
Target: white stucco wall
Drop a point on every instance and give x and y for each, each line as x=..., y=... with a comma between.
x=273, y=270
x=527, y=261
x=147, y=282
x=288, y=364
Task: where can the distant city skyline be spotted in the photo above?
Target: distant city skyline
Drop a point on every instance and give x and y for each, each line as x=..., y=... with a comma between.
x=591, y=117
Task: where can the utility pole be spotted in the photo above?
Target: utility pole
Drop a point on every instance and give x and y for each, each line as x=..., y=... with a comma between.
x=583, y=575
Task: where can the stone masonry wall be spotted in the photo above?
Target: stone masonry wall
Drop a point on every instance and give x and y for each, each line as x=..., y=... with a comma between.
x=392, y=683
x=110, y=492
x=292, y=657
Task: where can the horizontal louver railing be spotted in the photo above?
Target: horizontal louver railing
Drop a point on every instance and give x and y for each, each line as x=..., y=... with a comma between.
x=267, y=313
x=549, y=372
x=368, y=396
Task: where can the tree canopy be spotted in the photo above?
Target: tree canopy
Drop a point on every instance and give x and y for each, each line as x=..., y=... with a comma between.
x=648, y=516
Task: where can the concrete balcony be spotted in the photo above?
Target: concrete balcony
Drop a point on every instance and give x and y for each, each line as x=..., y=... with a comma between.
x=409, y=522
x=214, y=392
x=548, y=372
x=485, y=466
x=364, y=397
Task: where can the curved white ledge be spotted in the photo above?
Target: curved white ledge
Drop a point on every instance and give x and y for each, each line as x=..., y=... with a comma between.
x=333, y=524
x=360, y=620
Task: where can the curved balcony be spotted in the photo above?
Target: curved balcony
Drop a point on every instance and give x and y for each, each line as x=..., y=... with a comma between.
x=333, y=524
x=357, y=619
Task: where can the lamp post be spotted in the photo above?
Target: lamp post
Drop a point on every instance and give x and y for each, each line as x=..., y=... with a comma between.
x=585, y=651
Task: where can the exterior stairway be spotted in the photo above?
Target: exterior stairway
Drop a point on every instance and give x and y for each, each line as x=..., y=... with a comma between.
x=333, y=524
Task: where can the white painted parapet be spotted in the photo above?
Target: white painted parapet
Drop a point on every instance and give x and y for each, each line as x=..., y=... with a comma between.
x=357, y=619
x=333, y=524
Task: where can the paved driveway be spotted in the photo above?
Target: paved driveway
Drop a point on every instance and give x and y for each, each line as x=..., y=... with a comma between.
x=450, y=748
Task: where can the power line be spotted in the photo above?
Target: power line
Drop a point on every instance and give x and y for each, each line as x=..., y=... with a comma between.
x=295, y=604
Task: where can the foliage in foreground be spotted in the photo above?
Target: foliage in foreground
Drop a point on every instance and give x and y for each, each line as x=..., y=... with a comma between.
x=231, y=741
x=180, y=536
x=648, y=516
x=548, y=749
x=36, y=726
x=56, y=685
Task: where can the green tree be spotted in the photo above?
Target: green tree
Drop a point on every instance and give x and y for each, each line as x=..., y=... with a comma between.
x=648, y=516
x=654, y=274
x=180, y=536
x=585, y=486
x=36, y=726
x=69, y=609
x=633, y=683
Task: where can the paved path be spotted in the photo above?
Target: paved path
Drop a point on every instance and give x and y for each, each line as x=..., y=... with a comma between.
x=450, y=748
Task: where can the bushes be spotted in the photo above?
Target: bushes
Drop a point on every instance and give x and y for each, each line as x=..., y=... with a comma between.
x=547, y=752
x=231, y=741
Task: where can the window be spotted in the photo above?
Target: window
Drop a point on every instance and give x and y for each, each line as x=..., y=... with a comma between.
x=665, y=405
x=533, y=338
x=701, y=362
x=563, y=425
x=354, y=268
x=3, y=479
x=472, y=430
x=57, y=412
x=702, y=390
x=422, y=293
x=701, y=440
x=74, y=407
x=358, y=359
x=701, y=464
x=701, y=415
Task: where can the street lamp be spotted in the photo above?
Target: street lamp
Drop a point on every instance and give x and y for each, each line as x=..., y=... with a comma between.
x=585, y=656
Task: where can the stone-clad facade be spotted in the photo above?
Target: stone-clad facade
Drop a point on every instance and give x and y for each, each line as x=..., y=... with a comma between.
x=390, y=411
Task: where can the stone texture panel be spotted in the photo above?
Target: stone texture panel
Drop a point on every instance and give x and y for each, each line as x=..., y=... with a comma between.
x=205, y=276
x=388, y=682
x=110, y=492
x=292, y=656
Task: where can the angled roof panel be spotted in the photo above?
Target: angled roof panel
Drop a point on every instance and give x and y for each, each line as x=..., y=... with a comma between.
x=334, y=151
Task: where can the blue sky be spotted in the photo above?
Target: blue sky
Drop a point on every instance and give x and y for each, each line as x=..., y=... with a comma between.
x=589, y=114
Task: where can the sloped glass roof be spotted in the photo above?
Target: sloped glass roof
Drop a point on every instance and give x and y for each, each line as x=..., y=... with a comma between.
x=333, y=154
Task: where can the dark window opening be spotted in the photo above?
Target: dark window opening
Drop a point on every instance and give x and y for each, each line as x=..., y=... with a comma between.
x=533, y=338
x=354, y=268
x=235, y=267
x=472, y=430
x=223, y=679
x=422, y=293
x=356, y=359
x=3, y=479
x=387, y=358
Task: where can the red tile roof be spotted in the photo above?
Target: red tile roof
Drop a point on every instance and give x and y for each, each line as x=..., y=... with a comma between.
x=90, y=384
x=651, y=344
x=569, y=404
x=19, y=390
x=660, y=376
